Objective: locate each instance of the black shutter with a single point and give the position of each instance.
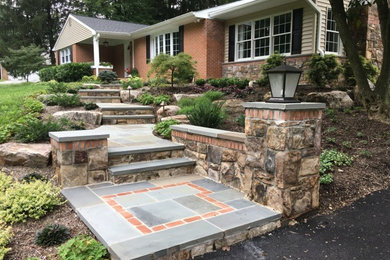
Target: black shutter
(71, 54)
(232, 39)
(147, 49)
(297, 31)
(181, 38)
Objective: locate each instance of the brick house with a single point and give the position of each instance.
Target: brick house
(228, 40)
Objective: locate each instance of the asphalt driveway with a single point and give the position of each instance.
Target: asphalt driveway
(359, 231)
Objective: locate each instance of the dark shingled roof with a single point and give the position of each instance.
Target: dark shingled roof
(105, 25)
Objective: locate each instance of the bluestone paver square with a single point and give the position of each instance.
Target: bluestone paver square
(133, 200)
(196, 204)
(161, 213)
(226, 195)
(240, 203)
(173, 192)
(210, 185)
(123, 188)
(81, 197)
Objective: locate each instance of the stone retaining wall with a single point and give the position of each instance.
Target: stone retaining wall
(79, 161)
(276, 161)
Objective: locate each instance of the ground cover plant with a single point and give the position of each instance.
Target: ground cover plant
(163, 128)
(82, 247)
(134, 83)
(148, 99)
(206, 114)
(5, 237)
(52, 235)
(20, 201)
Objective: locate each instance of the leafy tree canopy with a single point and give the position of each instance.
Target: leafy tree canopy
(24, 61)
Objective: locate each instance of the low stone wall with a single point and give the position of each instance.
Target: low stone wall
(79, 157)
(220, 155)
(276, 161)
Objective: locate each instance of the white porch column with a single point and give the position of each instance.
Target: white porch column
(96, 56)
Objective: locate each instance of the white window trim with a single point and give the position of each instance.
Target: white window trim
(65, 54)
(326, 35)
(154, 43)
(236, 59)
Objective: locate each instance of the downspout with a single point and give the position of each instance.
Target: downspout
(132, 54)
(319, 29)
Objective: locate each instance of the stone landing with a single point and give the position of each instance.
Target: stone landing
(181, 217)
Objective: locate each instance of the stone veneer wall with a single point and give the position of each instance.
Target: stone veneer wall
(374, 45)
(218, 158)
(252, 69)
(80, 162)
(276, 161)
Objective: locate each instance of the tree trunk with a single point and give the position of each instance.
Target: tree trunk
(172, 70)
(50, 32)
(383, 82)
(365, 94)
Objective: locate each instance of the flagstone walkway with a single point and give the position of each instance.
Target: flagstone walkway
(150, 219)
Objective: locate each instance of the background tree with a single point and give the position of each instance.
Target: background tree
(25, 22)
(380, 97)
(24, 61)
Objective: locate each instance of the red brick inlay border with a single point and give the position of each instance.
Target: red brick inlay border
(210, 140)
(283, 115)
(137, 223)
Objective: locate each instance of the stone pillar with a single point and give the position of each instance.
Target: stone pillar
(79, 157)
(283, 148)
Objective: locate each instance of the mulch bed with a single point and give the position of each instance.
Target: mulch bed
(367, 173)
(22, 243)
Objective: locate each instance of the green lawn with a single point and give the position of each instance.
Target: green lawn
(11, 99)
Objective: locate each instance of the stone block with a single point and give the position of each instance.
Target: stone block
(286, 168)
(229, 155)
(97, 176)
(214, 175)
(309, 137)
(98, 159)
(302, 202)
(270, 161)
(276, 138)
(64, 158)
(309, 165)
(256, 127)
(254, 144)
(296, 138)
(214, 154)
(241, 159)
(199, 170)
(73, 175)
(80, 157)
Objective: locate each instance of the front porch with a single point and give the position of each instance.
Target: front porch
(100, 51)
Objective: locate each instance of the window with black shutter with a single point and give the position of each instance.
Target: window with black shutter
(297, 31)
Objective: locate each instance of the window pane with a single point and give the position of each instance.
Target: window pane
(332, 35)
(175, 43)
(282, 33)
(244, 32)
(262, 28)
(244, 50)
(161, 42)
(262, 47)
(168, 43)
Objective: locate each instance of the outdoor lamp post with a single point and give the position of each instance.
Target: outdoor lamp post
(284, 81)
(129, 88)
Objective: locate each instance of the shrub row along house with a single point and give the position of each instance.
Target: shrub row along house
(225, 41)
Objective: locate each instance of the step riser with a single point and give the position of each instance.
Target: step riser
(129, 121)
(139, 157)
(100, 100)
(99, 94)
(128, 112)
(152, 175)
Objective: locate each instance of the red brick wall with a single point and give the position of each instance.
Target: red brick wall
(82, 52)
(195, 44)
(215, 48)
(4, 73)
(140, 57)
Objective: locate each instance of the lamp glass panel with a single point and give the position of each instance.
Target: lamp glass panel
(276, 81)
(291, 84)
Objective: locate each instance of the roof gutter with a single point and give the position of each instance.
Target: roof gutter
(319, 30)
(156, 26)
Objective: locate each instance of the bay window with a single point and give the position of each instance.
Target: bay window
(167, 43)
(260, 38)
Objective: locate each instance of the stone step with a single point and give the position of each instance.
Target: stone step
(100, 99)
(128, 119)
(99, 93)
(124, 109)
(126, 155)
(151, 169)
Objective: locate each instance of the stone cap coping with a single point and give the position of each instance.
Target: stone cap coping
(82, 135)
(285, 106)
(211, 132)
